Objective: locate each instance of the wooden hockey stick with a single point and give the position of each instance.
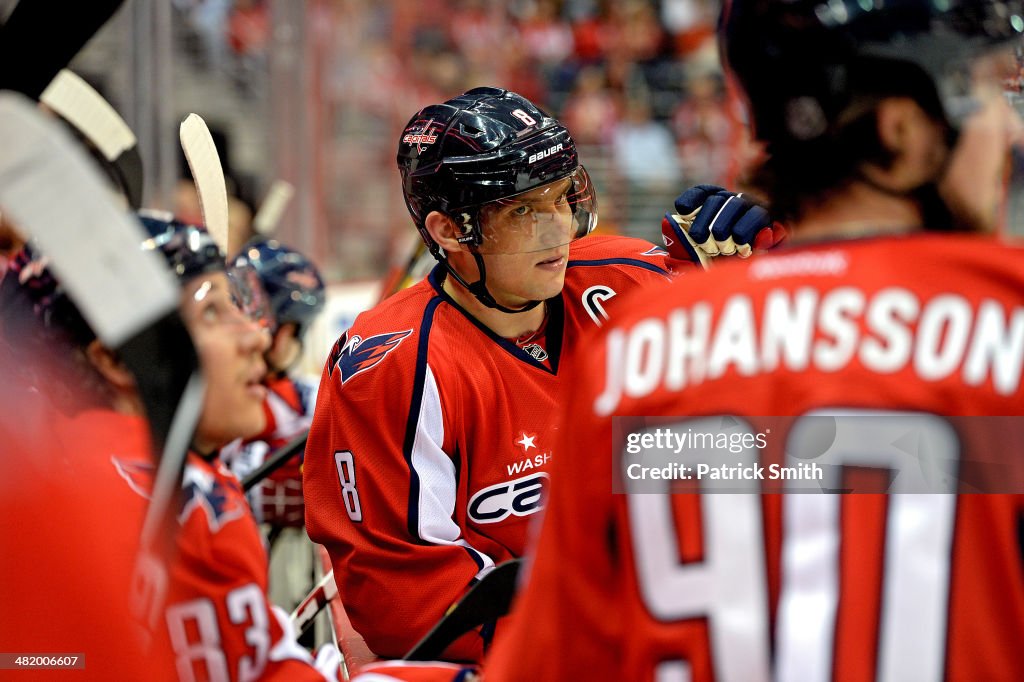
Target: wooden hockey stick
(204, 162)
(273, 207)
(486, 601)
(275, 461)
(80, 105)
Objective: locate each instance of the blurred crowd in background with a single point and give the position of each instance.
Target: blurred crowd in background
(637, 82)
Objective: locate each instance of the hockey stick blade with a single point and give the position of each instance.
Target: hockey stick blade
(273, 207)
(204, 162)
(92, 245)
(275, 461)
(488, 600)
(80, 105)
(314, 603)
(42, 36)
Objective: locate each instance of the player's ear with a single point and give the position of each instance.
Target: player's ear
(442, 229)
(109, 366)
(285, 348)
(914, 141)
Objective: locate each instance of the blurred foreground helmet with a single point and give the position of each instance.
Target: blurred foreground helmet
(189, 250)
(799, 61)
(294, 289)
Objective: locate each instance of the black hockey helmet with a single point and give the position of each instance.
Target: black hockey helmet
(188, 249)
(295, 291)
(794, 57)
(484, 146)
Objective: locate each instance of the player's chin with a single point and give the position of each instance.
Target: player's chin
(250, 421)
(249, 416)
(549, 286)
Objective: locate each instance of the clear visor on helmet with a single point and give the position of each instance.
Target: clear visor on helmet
(248, 294)
(540, 219)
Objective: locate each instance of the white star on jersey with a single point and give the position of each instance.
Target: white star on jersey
(527, 442)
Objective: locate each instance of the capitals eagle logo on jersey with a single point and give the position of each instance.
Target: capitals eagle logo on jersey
(356, 355)
(138, 475)
(201, 489)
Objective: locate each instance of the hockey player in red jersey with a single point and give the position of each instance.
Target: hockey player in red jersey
(295, 296)
(62, 501)
(439, 410)
(216, 618)
(883, 123)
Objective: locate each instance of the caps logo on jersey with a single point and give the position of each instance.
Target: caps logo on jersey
(203, 490)
(519, 497)
(352, 356)
(139, 475)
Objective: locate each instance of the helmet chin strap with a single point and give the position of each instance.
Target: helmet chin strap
(478, 288)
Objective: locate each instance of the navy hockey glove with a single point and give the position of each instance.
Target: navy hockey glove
(710, 221)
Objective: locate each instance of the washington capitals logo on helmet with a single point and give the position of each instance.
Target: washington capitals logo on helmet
(355, 355)
(202, 490)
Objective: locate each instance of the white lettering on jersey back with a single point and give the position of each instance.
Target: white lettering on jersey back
(734, 340)
(888, 331)
(796, 264)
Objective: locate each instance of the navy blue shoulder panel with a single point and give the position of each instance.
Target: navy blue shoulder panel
(617, 261)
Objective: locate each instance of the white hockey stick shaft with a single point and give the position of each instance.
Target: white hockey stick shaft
(273, 207)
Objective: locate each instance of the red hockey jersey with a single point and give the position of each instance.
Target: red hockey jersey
(277, 500)
(800, 586)
(69, 544)
(218, 620)
(432, 441)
